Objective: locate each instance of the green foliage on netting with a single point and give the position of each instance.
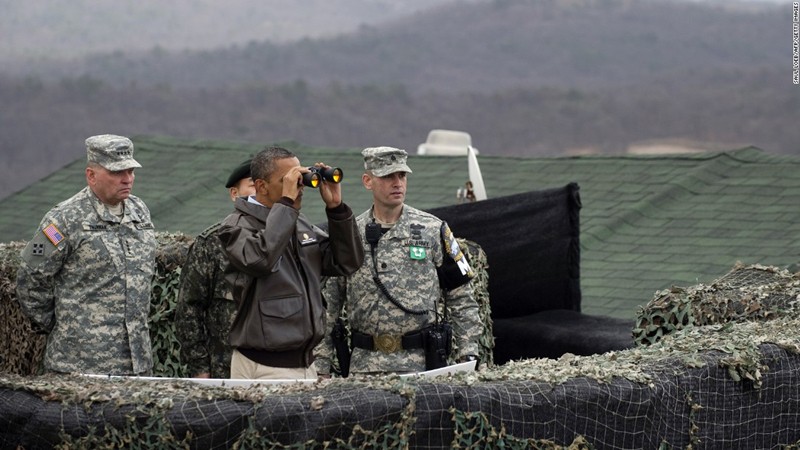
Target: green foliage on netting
(21, 350)
(746, 293)
(144, 429)
(166, 347)
(695, 347)
(391, 435)
(480, 264)
(146, 426)
(171, 254)
(474, 431)
(694, 408)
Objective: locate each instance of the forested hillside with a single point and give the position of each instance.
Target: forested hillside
(523, 77)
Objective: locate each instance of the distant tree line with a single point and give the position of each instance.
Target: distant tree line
(44, 124)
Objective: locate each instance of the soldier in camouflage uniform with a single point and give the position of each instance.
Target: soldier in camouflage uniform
(85, 276)
(206, 308)
(418, 261)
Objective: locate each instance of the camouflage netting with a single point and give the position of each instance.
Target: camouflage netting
(677, 393)
(171, 254)
(21, 350)
(745, 293)
(477, 259)
(724, 385)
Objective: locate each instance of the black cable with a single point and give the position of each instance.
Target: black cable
(373, 235)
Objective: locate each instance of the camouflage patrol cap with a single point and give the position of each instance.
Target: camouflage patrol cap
(111, 151)
(241, 171)
(382, 161)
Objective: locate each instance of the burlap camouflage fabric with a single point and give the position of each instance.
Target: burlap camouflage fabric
(111, 151)
(206, 308)
(382, 161)
(407, 257)
(85, 280)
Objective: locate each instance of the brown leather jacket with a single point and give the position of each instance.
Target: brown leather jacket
(277, 258)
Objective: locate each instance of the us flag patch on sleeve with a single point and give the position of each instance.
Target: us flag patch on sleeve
(53, 234)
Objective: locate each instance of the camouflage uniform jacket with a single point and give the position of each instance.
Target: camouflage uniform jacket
(277, 259)
(407, 258)
(205, 309)
(85, 279)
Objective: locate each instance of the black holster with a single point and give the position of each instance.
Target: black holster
(437, 341)
(342, 346)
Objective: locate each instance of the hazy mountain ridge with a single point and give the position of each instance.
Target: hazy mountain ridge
(480, 47)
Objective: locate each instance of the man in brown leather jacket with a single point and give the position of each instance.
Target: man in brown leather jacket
(277, 258)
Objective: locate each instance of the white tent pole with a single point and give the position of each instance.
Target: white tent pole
(475, 175)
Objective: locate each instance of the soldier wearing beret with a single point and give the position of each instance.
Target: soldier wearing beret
(85, 276)
(412, 260)
(205, 308)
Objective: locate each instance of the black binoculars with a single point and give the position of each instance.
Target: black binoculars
(317, 174)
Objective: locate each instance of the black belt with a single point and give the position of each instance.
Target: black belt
(388, 343)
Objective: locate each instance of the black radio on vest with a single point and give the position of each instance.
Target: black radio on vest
(372, 231)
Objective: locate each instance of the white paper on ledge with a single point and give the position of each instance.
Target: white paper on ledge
(468, 366)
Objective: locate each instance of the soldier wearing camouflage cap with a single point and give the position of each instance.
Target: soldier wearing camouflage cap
(84, 279)
(411, 257)
(205, 309)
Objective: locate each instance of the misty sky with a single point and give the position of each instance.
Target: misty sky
(57, 29)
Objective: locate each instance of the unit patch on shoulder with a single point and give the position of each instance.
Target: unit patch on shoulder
(37, 249)
(53, 234)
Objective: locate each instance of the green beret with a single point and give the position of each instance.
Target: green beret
(241, 171)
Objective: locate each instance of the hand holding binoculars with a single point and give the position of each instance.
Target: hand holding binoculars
(317, 174)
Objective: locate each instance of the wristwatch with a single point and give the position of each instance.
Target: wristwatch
(466, 358)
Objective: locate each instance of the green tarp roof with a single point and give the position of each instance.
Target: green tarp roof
(647, 222)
